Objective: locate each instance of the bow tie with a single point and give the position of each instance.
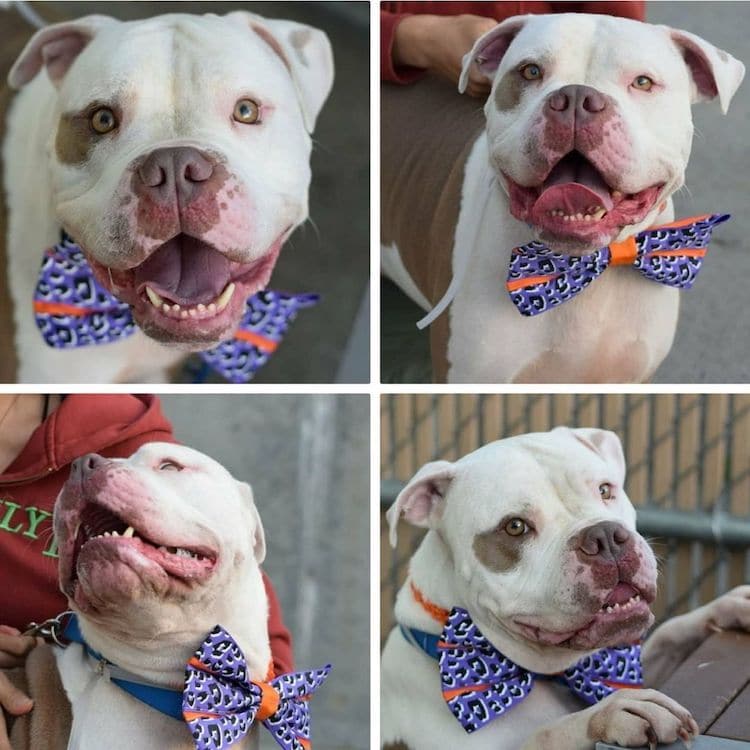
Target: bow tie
(479, 684)
(220, 702)
(539, 279)
(72, 309)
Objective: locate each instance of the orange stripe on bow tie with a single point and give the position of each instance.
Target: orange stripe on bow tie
(306, 744)
(58, 308)
(450, 694)
(685, 251)
(681, 222)
(254, 338)
(522, 283)
(192, 715)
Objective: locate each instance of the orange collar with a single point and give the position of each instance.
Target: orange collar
(433, 610)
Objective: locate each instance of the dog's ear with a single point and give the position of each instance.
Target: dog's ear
(607, 444)
(259, 536)
(55, 47)
(305, 51)
(713, 71)
(489, 49)
(421, 501)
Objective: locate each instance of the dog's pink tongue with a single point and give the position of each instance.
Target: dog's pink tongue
(574, 186)
(186, 271)
(621, 593)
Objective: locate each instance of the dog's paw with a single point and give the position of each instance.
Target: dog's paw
(634, 718)
(729, 611)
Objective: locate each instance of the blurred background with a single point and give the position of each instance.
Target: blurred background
(713, 334)
(308, 461)
(330, 254)
(688, 461)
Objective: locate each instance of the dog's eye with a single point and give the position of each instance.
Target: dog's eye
(247, 112)
(516, 527)
(103, 120)
(170, 465)
(642, 83)
(531, 72)
(605, 491)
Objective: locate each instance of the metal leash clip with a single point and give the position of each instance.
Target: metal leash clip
(51, 630)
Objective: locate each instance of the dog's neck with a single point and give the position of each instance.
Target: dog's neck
(242, 610)
(432, 573)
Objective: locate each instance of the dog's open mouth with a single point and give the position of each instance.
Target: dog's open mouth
(575, 202)
(188, 292)
(624, 616)
(102, 533)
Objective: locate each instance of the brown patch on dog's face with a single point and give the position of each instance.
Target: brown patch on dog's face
(498, 550)
(75, 139)
(508, 91)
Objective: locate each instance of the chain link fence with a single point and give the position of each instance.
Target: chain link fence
(688, 460)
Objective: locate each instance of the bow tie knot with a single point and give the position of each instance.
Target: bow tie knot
(540, 279)
(221, 703)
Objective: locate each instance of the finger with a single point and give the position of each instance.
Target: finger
(4, 741)
(18, 645)
(12, 699)
(8, 630)
(8, 661)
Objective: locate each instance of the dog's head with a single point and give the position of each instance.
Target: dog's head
(179, 156)
(589, 119)
(156, 540)
(543, 542)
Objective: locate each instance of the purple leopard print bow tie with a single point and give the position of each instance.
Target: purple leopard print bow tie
(539, 279)
(220, 702)
(480, 684)
(72, 309)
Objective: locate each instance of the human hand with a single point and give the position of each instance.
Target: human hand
(439, 43)
(13, 650)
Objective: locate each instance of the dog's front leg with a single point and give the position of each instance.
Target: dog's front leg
(671, 643)
(629, 718)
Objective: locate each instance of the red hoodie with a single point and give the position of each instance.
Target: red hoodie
(114, 426)
(391, 14)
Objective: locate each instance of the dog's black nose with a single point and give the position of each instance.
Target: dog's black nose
(87, 464)
(606, 540)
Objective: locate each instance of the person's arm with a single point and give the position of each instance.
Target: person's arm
(278, 634)
(634, 10)
(413, 44)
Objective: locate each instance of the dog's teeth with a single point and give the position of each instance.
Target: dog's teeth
(176, 308)
(162, 548)
(212, 308)
(201, 308)
(587, 217)
(166, 308)
(192, 312)
(114, 533)
(566, 218)
(154, 298)
(616, 195)
(184, 314)
(579, 217)
(129, 532)
(599, 214)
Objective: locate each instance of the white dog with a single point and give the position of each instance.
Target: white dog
(155, 550)
(535, 539)
(585, 137)
(175, 151)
